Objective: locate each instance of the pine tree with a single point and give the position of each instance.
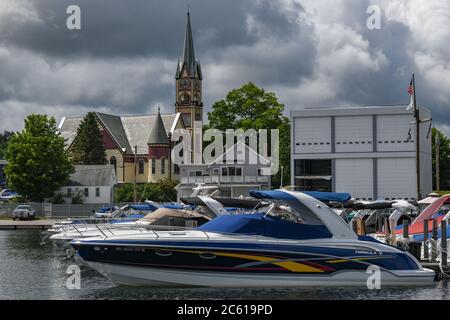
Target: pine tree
(88, 147)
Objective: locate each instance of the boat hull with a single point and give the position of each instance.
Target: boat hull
(266, 263)
(155, 277)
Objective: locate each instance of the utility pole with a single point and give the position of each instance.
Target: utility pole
(437, 146)
(135, 175)
(417, 118)
(170, 156)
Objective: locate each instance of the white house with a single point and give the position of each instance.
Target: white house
(94, 183)
(245, 172)
(369, 152)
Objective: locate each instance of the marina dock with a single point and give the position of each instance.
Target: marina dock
(26, 225)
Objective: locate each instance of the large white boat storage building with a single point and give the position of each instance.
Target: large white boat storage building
(369, 152)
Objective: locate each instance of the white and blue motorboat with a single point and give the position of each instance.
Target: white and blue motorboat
(296, 241)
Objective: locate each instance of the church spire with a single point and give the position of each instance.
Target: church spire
(188, 58)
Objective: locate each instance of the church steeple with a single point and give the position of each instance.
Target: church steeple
(189, 82)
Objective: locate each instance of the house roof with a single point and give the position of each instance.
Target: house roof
(127, 131)
(93, 175)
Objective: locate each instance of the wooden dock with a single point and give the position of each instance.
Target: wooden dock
(26, 225)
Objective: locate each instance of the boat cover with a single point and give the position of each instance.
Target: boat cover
(143, 207)
(267, 226)
(319, 195)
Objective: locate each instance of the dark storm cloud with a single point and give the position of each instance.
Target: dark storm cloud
(311, 53)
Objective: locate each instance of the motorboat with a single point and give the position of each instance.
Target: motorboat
(161, 219)
(438, 209)
(295, 241)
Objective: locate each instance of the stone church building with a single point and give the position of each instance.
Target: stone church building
(139, 146)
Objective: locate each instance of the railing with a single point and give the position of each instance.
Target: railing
(225, 179)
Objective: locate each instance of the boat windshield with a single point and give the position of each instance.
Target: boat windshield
(293, 211)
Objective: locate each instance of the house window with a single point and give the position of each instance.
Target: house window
(113, 161)
(231, 171)
(163, 165)
(224, 171)
(141, 166)
(239, 172)
(86, 192)
(97, 192)
(176, 169)
(69, 192)
(153, 165)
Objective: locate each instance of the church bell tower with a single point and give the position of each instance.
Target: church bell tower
(189, 83)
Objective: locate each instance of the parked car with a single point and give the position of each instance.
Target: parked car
(24, 211)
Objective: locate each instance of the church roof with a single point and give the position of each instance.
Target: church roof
(188, 59)
(158, 134)
(126, 131)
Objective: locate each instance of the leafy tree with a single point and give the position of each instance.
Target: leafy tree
(250, 107)
(4, 139)
(161, 191)
(88, 147)
(444, 159)
(37, 163)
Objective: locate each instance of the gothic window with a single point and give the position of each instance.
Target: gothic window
(141, 166)
(185, 98)
(163, 166)
(113, 161)
(153, 165)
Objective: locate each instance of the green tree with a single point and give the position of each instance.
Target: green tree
(4, 139)
(250, 107)
(37, 163)
(161, 191)
(444, 159)
(88, 147)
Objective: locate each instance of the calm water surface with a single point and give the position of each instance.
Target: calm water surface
(30, 269)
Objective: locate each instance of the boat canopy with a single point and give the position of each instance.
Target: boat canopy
(319, 195)
(267, 226)
(143, 207)
(310, 210)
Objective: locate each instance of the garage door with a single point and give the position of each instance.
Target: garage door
(393, 133)
(312, 135)
(396, 178)
(355, 176)
(354, 134)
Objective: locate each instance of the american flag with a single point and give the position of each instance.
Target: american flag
(411, 88)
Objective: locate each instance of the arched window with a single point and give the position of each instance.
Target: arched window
(113, 161)
(141, 165)
(153, 165)
(185, 98)
(163, 165)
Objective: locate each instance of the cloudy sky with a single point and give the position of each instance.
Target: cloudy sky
(311, 53)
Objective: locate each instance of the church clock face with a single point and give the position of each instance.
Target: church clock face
(185, 84)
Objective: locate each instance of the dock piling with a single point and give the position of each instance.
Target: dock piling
(406, 229)
(434, 236)
(444, 243)
(425, 239)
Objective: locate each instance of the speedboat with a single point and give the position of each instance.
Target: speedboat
(297, 241)
(161, 219)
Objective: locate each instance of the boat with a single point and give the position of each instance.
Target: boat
(297, 241)
(438, 210)
(162, 218)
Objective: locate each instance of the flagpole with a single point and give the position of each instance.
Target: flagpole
(417, 117)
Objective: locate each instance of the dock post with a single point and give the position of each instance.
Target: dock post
(386, 230)
(406, 229)
(425, 239)
(444, 243)
(433, 243)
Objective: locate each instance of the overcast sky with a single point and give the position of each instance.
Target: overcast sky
(311, 53)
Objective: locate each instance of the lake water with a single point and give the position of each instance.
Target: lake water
(32, 270)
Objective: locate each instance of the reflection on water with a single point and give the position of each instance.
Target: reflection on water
(31, 270)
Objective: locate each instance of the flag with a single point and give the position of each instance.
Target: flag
(411, 94)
